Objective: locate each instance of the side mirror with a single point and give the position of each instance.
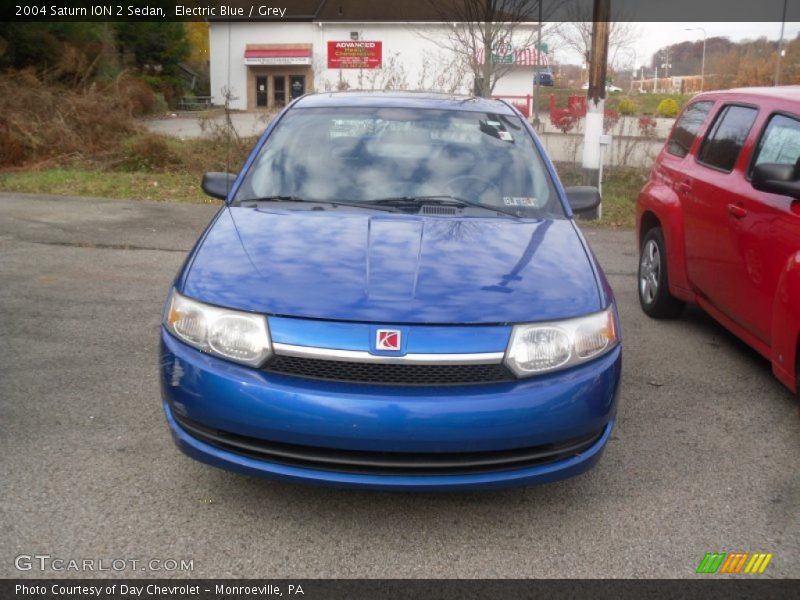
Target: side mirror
(777, 179)
(583, 198)
(217, 185)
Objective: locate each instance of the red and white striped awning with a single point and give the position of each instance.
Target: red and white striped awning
(522, 57)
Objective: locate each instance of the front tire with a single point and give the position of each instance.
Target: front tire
(653, 278)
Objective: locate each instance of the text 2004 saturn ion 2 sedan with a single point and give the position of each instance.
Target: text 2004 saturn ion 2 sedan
(395, 295)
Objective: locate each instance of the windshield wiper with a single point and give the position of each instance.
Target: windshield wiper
(441, 200)
(289, 198)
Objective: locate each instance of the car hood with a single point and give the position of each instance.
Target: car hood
(393, 268)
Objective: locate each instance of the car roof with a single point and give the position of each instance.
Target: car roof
(404, 99)
(782, 93)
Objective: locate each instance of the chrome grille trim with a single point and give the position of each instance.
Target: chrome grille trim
(478, 358)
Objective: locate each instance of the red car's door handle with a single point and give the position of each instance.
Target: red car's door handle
(737, 211)
(684, 187)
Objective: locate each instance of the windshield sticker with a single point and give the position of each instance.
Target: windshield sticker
(497, 130)
(519, 201)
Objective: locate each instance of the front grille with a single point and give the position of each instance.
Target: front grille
(388, 463)
(387, 373)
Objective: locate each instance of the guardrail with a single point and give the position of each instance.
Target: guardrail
(194, 103)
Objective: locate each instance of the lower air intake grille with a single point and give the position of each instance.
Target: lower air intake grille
(388, 463)
(387, 373)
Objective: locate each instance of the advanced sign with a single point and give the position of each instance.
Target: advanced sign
(355, 55)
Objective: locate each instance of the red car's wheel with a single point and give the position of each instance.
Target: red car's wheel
(653, 279)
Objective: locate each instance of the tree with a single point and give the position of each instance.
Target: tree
(686, 57)
(43, 45)
(750, 63)
(197, 35)
(577, 34)
(156, 46)
(481, 28)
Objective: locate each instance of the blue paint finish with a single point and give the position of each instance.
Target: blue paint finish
(422, 339)
(519, 414)
(412, 100)
(548, 473)
(314, 264)
(450, 285)
(391, 276)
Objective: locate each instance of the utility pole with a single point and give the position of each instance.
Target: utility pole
(595, 105)
(666, 66)
(537, 73)
(780, 45)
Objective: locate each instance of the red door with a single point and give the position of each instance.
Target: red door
(763, 232)
(712, 188)
(703, 213)
(676, 164)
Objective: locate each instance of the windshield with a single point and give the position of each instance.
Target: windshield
(370, 154)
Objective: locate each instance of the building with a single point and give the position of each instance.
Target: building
(265, 64)
(681, 84)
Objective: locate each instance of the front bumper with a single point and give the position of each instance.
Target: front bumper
(354, 418)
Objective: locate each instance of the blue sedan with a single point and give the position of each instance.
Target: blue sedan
(394, 295)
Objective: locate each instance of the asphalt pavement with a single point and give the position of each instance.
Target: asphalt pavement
(705, 456)
(187, 125)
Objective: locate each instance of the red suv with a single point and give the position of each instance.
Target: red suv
(718, 223)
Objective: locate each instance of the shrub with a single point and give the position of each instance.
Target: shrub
(610, 119)
(146, 152)
(159, 104)
(140, 96)
(565, 122)
(12, 150)
(668, 107)
(626, 107)
(41, 120)
(169, 87)
(647, 126)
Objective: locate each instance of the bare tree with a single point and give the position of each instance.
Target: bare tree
(577, 34)
(481, 30)
(442, 73)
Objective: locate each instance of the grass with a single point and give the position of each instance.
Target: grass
(646, 104)
(144, 166)
(136, 185)
(620, 188)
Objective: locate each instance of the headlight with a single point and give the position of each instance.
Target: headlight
(540, 347)
(239, 336)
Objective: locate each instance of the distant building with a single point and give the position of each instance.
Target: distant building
(267, 64)
(682, 84)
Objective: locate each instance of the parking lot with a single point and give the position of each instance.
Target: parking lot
(704, 457)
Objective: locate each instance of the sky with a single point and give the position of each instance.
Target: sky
(653, 36)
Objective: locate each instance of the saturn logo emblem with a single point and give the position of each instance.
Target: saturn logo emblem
(387, 339)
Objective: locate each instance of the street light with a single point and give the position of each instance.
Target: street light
(703, 66)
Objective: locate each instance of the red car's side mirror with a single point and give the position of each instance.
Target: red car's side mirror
(777, 179)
